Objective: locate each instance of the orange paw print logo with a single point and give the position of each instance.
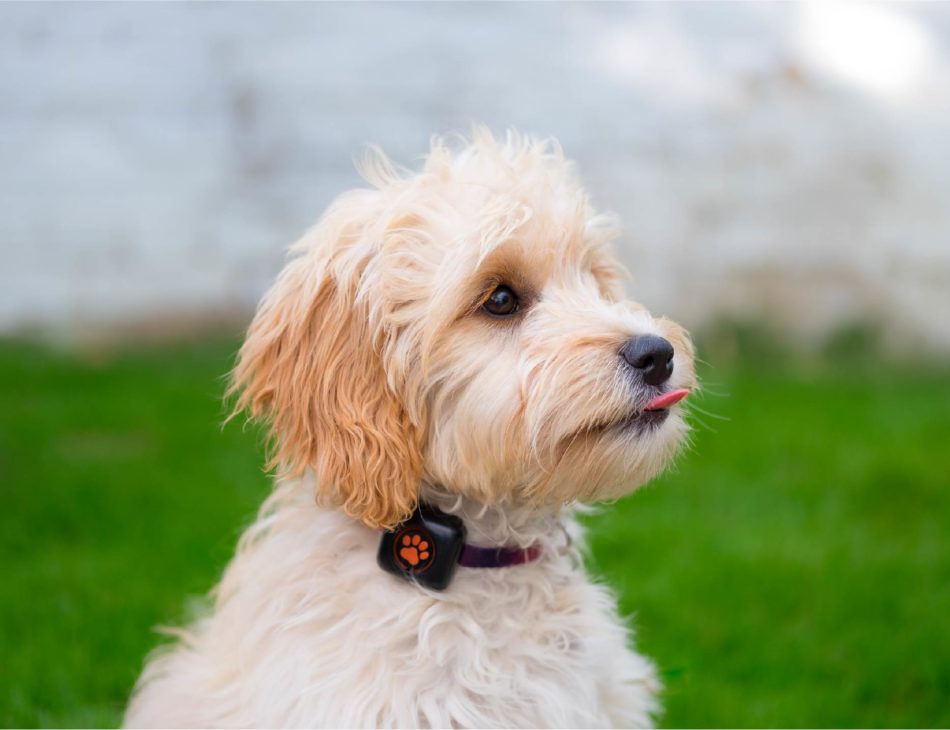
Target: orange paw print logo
(413, 550)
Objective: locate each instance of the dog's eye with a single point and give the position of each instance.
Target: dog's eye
(502, 302)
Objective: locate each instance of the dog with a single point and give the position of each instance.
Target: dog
(448, 371)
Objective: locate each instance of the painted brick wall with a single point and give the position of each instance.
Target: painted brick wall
(156, 159)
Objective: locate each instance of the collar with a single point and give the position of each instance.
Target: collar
(429, 546)
(476, 556)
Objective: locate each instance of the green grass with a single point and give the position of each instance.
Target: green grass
(793, 570)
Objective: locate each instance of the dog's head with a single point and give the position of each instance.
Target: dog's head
(464, 327)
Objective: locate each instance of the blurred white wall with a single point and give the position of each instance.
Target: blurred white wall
(788, 161)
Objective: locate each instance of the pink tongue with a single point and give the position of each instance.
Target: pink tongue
(666, 400)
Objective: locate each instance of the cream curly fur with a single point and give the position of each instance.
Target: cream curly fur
(383, 383)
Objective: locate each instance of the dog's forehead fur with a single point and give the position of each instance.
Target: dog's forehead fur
(494, 212)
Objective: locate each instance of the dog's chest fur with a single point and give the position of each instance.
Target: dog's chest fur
(308, 631)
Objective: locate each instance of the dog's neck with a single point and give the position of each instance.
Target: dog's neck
(499, 525)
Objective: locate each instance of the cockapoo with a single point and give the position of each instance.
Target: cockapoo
(447, 366)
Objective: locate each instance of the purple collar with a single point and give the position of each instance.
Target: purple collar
(474, 556)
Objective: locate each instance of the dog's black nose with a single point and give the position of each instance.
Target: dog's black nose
(651, 357)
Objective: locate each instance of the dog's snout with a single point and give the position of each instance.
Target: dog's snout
(650, 356)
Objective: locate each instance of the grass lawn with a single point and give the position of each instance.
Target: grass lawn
(793, 570)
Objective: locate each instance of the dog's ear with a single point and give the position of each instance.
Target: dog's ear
(311, 368)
